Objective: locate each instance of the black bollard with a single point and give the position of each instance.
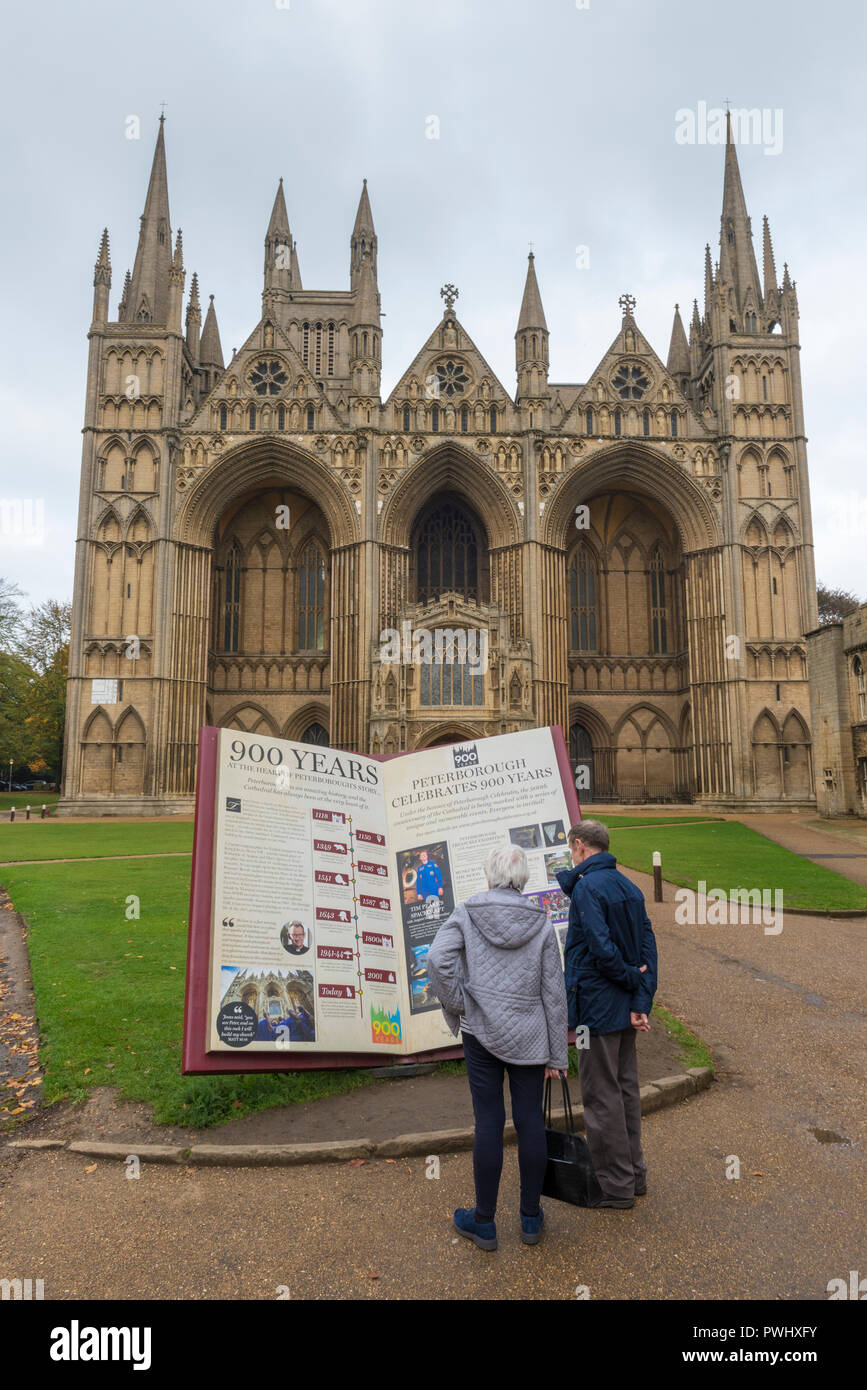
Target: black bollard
(657, 876)
(12, 814)
(44, 811)
(27, 816)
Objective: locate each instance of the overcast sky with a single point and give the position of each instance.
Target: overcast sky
(556, 124)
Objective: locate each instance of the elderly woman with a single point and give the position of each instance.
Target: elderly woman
(495, 968)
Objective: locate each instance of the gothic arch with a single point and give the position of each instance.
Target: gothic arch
(261, 719)
(455, 732)
(255, 466)
(633, 467)
(316, 712)
(657, 715)
(451, 468)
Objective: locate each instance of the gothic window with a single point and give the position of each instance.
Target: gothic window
(281, 417)
(674, 424)
(305, 343)
(331, 349)
(314, 733)
(435, 418)
(447, 549)
(858, 671)
(581, 754)
(493, 419)
(764, 388)
(582, 601)
(658, 607)
(589, 421)
(311, 417)
(224, 417)
(646, 421)
(630, 382)
(318, 357)
(232, 599)
(406, 421)
(618, 421)
(252, 414)
(268, 377)
(311, 599)
(465, 419)
(452, 378)
(451, 681)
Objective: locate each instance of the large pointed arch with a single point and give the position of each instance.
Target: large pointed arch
(629, 465)
(255, 466)
(451, 468)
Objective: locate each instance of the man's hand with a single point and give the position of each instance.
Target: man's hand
(640, 1021)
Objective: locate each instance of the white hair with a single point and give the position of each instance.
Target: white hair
(507, 868)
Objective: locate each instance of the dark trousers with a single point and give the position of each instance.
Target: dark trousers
(485, 1073)
(612, 1111)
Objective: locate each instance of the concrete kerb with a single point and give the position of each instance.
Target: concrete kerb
(668, 1090)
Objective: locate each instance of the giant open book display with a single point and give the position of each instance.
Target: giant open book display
(320, 878)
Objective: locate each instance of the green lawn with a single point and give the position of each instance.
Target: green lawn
(110, 991)
(66, 840)
(726, 854)
(21, 799)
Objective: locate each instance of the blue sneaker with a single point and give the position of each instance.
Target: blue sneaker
(482, 1233)
(531, 1228)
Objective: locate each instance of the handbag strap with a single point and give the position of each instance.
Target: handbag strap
(567, 1106)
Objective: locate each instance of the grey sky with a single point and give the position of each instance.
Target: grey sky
(556, 126)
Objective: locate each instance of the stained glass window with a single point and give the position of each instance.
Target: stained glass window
(447, 554)
(268, 377)
(630, 382)
(582, 601)
(311, 599)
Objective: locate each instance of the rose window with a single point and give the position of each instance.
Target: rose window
(453, 379)
(630, 383)
(268, 377)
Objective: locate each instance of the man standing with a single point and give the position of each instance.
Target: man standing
(611, 979)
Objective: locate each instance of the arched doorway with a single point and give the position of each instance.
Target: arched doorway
(581, 757)
(270, 613)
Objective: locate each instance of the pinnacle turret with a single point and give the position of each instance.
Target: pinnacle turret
(102, 281)
(148, 300)
(281, 261)
(768, 267)
(678, 353)
(532, 314)
(194, 319)
(737, 257)
(210, 348)
(362, 243)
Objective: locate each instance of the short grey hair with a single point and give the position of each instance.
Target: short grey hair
(507, 868)
(590, 832)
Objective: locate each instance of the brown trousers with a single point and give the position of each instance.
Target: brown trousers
(612, 1111)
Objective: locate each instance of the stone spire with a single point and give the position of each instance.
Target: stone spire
(532, 314)
(363, 241)
(102, 281)
(708, 282)
(768, 267)
(281, 261)
(737, 257)
(148, 300)
(194, 319)
(678, 353)
(210, 348)
(124, 298)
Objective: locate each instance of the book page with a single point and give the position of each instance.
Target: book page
(447, 808)
(304, 951)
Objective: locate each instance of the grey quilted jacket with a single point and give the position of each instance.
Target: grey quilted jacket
(495, 966)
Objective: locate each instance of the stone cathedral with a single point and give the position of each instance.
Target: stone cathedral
(637, 547)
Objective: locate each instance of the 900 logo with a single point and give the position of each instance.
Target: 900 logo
(385, 1027)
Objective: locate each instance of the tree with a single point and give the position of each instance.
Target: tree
(835, 604)
(10, 614)
(44, 645)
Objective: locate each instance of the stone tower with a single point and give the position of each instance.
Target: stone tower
(637, 548)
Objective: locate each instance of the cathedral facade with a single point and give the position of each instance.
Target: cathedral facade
(635, 552)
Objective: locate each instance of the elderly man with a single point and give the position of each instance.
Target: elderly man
(610, 958)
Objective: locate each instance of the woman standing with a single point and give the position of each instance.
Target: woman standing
(495, 968)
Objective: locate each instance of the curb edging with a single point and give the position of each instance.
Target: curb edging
(655, 1095)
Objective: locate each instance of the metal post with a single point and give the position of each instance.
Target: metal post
(657, 876)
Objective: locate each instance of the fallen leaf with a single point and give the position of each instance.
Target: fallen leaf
(372, 1274)
(356, 1162)
(86, 1070)
(91, 1169)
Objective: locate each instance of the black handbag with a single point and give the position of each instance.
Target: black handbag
(569, 1175)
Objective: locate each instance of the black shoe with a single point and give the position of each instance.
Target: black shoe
(618, 1203)
(642, 1190)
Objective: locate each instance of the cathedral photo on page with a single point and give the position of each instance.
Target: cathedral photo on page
(636, 547)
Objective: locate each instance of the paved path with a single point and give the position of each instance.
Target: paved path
(98, 858)
(839, 845)
(785, 1016)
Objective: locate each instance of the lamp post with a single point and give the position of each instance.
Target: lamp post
(10, 774)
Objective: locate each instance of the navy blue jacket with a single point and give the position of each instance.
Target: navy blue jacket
(609, 937)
